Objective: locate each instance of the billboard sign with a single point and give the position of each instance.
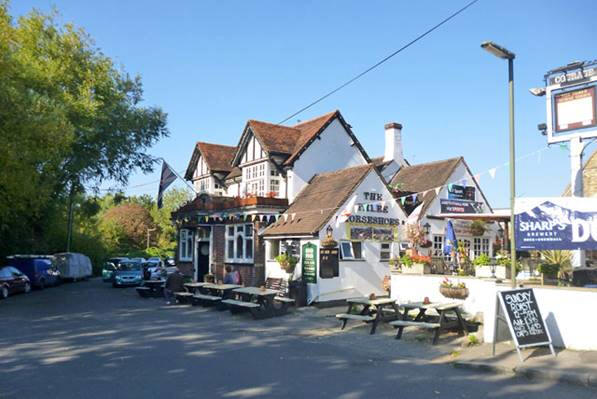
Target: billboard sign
(556, 223)
(460, 206)
(458, 192)
(571, 102)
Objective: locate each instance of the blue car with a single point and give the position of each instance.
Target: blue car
(40, 269)
(129, 273)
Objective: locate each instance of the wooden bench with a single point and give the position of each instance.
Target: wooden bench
(283, 299)
(205, 300)
(401, 324)
(241, 304)
(183, 296)
(349, 316)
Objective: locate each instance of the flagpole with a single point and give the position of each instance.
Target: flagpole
(180, 177)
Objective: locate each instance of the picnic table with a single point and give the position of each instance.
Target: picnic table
(371, 311)
(213, 294)
(437, 324)
(194, 287)
(151, 288)
(260, 302)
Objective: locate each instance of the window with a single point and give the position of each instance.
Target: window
(351, 250)
(185, 245)
(480, 246)
(274, 186)
(274, 249)
(239, 243)
(385, 251)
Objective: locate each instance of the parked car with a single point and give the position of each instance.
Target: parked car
(73, 266)
(128, 273)
(12, 281)
(110, 268)
(40, 269)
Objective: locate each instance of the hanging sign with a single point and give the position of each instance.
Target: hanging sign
(556, 223)
(309, 263)
(524, 319)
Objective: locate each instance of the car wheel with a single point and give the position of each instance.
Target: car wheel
(114, 285)
(4, 292)
(27, 288)
(42, 284)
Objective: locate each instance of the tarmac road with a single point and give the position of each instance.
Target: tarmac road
(89, 340)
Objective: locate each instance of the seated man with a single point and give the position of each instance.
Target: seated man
(174, 283)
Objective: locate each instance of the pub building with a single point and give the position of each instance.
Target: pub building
(433, 193)
(294, 185)
(342, 228)
(243, 188)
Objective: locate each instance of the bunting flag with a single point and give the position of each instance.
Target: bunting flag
(293, 215)
(437, 190)
(285, 217)
(492, 172)
(402, 200)
(414, 198)
(564, 146)
(206, 218)
(168, 176)
(262, 218)
(450, 187)
(252, 218)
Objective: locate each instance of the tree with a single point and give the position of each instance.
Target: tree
(124, 227)
(69, 119)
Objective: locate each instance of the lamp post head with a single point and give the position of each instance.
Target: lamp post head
(498, 50)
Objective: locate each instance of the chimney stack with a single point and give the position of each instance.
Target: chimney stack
(393, 150)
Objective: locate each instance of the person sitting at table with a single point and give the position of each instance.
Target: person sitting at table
(230, 277)
(174, 283)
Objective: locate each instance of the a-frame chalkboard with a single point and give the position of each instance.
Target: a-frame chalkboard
(521, 313)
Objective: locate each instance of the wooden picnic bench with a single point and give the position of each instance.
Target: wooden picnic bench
(423, 320)
(373, 311)
(205, 299)
(183, 296)
(260, 302)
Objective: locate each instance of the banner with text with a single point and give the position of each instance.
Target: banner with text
(556, 223)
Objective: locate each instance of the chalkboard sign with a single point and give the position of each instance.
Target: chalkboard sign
(309, 262)
(523, 318)
(329, 262)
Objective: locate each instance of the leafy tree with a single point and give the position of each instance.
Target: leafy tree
(69, 119)
(125, 227)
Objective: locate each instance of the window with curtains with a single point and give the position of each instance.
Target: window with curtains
(239, 243)
(185, 245)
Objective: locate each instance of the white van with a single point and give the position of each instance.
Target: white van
(73, 266)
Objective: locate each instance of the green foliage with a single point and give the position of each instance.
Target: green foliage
(549, 268)
(406, 260)
(482, 260)
(287, 262)
(562, 258)
(69, 119)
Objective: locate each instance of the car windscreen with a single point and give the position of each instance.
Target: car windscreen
(129, 266)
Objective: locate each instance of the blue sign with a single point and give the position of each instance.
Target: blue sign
(556, 223)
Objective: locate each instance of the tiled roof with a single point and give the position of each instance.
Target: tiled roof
(275, 138)
(318, 201)
(216, 156)
(589, 176)
(235, 172)
(425, 176)
(309, 130)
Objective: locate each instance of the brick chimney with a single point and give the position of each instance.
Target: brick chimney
(393, 150)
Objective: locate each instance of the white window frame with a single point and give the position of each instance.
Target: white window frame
(480, 246)
(382, 250)
(350, 256)
(185, 245)
(240, 233)
(270, 248)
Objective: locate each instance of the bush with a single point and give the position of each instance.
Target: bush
(405, 260)
(482, 260)
(549, 268)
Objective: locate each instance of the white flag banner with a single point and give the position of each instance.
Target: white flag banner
(492, 172)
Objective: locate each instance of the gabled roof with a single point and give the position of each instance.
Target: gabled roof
(217, 157)
(319, 201)
(291, 141)
(589, 176)
(423, 177)
(428, 176)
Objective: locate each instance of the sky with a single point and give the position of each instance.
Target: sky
(212, 65)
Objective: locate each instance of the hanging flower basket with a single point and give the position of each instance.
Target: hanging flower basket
(454, 292)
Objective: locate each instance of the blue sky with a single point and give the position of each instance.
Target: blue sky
(211, 65)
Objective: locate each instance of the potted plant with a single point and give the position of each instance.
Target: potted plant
(485, 267)
(394, 264)
(453, 290)
(416, 264)
(415, 235)
(286, 262)
(478, 228)
(549, 273)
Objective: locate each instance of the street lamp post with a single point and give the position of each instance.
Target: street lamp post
(503, 53)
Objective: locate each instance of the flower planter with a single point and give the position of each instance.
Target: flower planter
(416, 268)
(454, 292)
(502, 272)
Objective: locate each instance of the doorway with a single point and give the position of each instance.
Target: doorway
(202, 259)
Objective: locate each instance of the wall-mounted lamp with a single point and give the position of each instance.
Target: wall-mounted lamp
(427, 228)
(329, 230)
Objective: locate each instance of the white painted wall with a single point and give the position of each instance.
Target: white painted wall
(438, 226)
(358, 277)
(568, 312)
(333, 152)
